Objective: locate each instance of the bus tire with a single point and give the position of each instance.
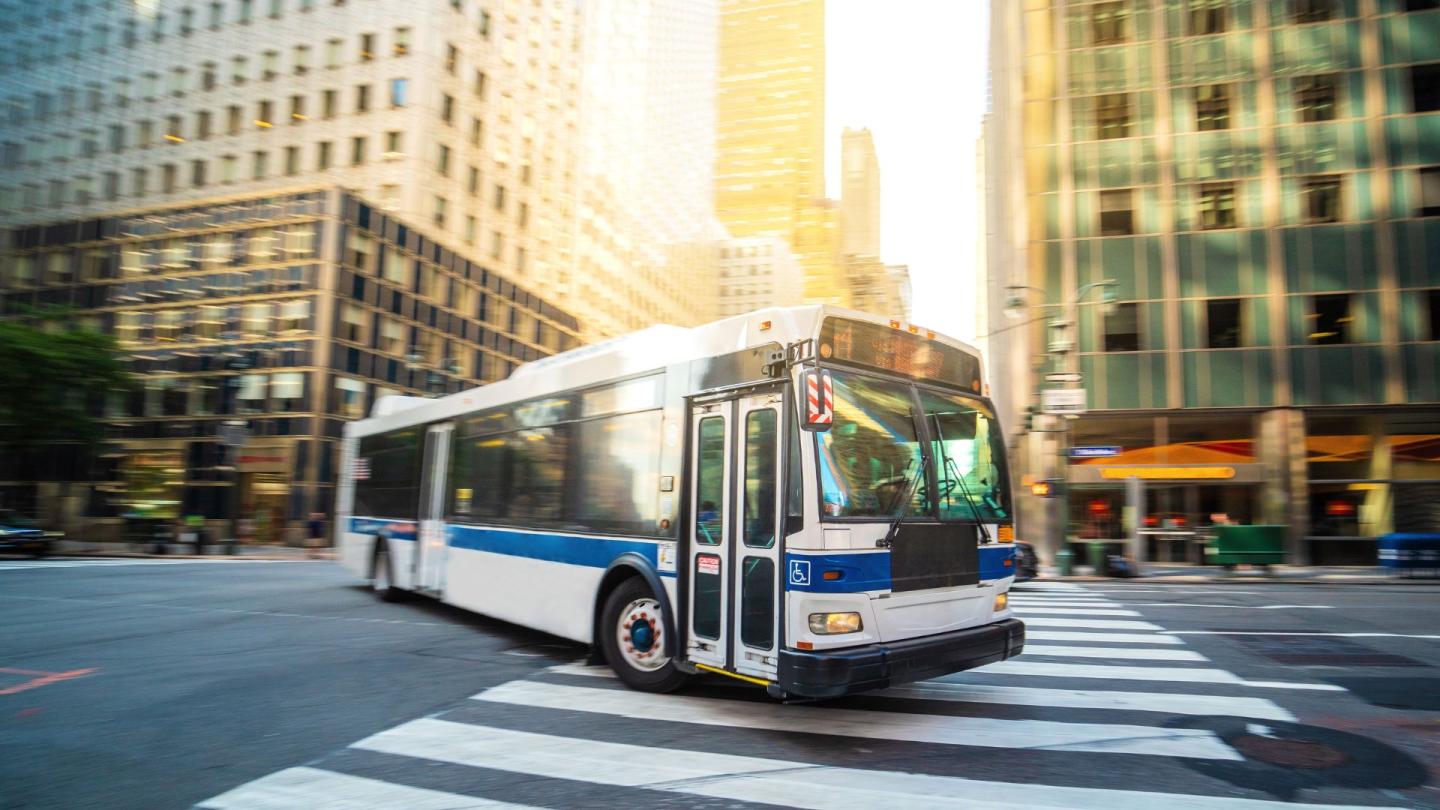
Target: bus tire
(630, 627)
(382, 579)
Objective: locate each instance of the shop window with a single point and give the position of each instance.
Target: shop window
(1112, 115)
(1330, 319)
(1430, 191)
(1320, 199)
(1316, 96)
(1212, 107)
(1217, 206)
(1223, 327)
(1110, 23)
(1208, 17)
(1122, 329)
(1425, 87)
(1117, 215)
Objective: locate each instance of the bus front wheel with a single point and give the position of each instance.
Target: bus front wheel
(630, 630)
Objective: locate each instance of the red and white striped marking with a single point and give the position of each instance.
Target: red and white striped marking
(820, 398)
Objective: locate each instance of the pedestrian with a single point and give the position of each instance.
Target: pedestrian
(315, 531)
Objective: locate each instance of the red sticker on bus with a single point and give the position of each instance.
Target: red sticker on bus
(707, 564)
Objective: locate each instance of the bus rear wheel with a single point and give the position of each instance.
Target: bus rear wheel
(630, 635)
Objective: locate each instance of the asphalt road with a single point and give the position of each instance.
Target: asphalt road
(248, 684)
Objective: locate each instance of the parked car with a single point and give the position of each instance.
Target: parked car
(1027, 563)
(21, 534)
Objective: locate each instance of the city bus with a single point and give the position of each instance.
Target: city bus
(808, 499)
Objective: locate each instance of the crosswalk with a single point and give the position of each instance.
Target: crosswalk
(1091, 716)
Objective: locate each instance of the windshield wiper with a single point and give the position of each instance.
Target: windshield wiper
(951, 466)
(902, 500)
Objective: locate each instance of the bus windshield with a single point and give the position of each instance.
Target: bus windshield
(870, 459)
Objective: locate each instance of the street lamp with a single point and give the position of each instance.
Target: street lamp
(1060, 344)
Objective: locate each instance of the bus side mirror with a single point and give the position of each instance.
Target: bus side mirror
(819, 392)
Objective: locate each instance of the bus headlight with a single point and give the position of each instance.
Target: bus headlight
(1002, 601)
(830, 624)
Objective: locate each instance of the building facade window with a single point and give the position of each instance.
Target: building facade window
(1312, 11)
(357, 150)
(1117, 215)
(362, 98)
(329, 104)
(1316, 97)
(1112, 116)
(1425, 87)
(399, 92)
(1212, 107)
(1223, 326)
(1217, 206)
(1208, 16)
(402, 41)
(1122, 328)
(1430, 191)
(1110, 23)
(1330, 319)
(367, 47)
(1320, 199)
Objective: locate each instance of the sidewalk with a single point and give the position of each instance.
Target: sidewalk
(186, 551)
(1185, 573)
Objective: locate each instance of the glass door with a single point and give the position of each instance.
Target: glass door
(709, 533)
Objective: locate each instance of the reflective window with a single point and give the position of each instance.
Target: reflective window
(536, 483)
(617, 485)
(1223, 324)
(1122, 329)
(757, 602)
(1330, 319)
(870, 460)
(710, 482)
(761, 478)
(969, 451)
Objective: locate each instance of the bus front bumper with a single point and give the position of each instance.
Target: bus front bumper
(875, 666)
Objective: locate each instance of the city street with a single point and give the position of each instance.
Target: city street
(259, 684)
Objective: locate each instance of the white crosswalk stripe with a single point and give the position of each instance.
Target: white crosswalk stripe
(981, 731)
(705, 740)
(1029, 610)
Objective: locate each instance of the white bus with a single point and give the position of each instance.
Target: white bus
(809, 499)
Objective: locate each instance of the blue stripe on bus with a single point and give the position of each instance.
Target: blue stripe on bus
(591, 552)
(870, 570)
(394, 529)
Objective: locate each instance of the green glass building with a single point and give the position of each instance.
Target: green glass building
(1260, 180)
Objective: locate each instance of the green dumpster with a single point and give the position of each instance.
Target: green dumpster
(1242, 545)
(1096, 553)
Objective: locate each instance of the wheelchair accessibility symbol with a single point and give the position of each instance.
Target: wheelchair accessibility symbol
(799, 572)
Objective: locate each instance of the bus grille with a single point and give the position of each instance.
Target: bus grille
(934, 555)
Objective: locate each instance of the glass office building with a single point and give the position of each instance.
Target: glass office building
(289, 313)
(1260, 179)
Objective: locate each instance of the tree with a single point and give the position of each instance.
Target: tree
(55, 377)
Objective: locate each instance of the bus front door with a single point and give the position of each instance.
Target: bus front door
(734, 535)
(431, 544)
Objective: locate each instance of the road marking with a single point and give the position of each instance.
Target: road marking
(1113, 652)
(1090, 624)
(974, 731)
(753, 779)
(1123, 673)
(582, 668)
(1232, 607)
(326, 790)
(41, 678)
(1287, 633)
(1112, 638)
(1092, 699)
(1030, 600)
(1065, 611)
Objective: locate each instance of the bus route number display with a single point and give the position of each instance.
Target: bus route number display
(878, 347)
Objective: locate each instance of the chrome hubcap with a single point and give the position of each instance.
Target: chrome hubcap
(638, 631)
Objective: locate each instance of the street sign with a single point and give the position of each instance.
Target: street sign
(1103, 451)
(1065, 377)
(1061, 401)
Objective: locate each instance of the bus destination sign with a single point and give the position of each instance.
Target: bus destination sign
(896, 351)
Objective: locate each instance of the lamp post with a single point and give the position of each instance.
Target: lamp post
(1060, 343)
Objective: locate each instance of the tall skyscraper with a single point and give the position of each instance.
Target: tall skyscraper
(770, 161)
(1257, 183)
(859, 194)
(646, 231)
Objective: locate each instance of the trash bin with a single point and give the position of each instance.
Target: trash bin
(1065, 562)
(1095, 554)
(1246, 545)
